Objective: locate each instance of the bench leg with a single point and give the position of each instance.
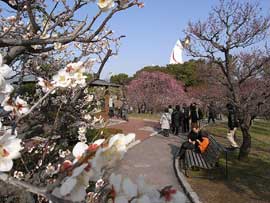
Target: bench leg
(185, 168)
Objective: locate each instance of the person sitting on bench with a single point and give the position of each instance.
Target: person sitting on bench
(197, 141)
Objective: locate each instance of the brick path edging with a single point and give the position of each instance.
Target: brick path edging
(193, 197)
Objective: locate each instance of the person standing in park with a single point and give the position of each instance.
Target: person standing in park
(185, 127)
(124, 110)
(211, 112)
(165, 121)
(232, 124)
(117, 106)
(170, 109)
(195, 114)
(111, 107)
(176, 120)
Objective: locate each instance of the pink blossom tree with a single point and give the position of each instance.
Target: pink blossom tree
(156, 90)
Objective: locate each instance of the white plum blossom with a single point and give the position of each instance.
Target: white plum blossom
(79, 78)
(105, 5)
(124, 190)
(87, 117)
(19, 107)
(79, 149)
(71, 76)
(108, 155)
(12, 2)
(45, 84)
(82, 130)
(5, 88)
(18, 174)
(175, 198)
(2, 83)
(74, 67)
(51, 170)
(62, 79)
(57, 46)
(82, 138)
(89, 98)
(143, 199)
(9, 150)
(74, 187)
(97, 120)
(64, 153)
(145, 189)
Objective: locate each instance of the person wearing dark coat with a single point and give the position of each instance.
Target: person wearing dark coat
(194, 137)
(232, 124)
(185, 127)
(195, 114)
(176, 120)
(211, 112)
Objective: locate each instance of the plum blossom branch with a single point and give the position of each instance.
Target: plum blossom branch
(36, 104)
(28, 187)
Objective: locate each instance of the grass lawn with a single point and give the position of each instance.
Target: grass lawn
(249, 181)
(145, 116)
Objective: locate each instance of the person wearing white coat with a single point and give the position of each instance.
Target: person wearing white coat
(165, 121)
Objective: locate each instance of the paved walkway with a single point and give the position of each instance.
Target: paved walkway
(152, 157)
(142, 128)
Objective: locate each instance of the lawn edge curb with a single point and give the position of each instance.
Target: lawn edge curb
(192, 196)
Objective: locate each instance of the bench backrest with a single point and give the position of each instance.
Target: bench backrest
(213, 151)
(208, 159)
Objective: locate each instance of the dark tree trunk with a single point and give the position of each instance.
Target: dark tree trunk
(246, 145)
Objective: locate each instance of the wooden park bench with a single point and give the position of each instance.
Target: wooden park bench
(207, 160)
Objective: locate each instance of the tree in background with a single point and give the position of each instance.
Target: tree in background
(155, 90)
(187, 72)
(233, 39)
(121, 79)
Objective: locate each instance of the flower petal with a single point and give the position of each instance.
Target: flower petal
(121, 199)
(5, 164)
(99, 141)
(1, 59)
(67, 186)
(130, 138)
(116, 180)
(78, 194)
(178, 196)
(5, 70)
(129, 188)
(79, 149)
(13, 146)
(77, 171)
(143, 199)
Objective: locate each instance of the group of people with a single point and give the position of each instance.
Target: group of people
(118, 107)
(197, 139)
(172, 120)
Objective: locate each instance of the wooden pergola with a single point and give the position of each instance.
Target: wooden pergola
(104, 83)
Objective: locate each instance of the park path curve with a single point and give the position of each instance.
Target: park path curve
(152, 157)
